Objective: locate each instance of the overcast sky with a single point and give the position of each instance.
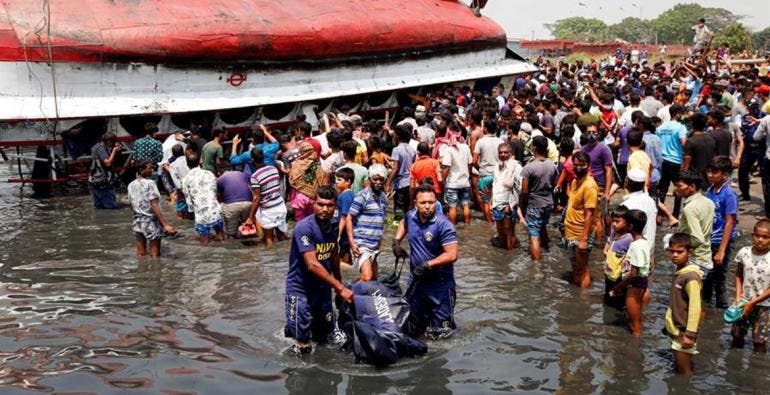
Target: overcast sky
(521, 18)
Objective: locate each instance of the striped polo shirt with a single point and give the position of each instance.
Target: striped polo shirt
(267, 180)
(368, 214)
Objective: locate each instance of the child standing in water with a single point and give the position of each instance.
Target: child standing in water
(635, 270)
(684, 306)
(752, 286)
(615, 253)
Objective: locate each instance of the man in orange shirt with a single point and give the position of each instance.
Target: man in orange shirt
(426, 167)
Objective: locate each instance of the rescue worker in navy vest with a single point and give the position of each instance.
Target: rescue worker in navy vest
(433, 252)
(314, 270)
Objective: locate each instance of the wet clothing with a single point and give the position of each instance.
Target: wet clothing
(308, 299)
(141, 192)
(433, 297)
(684, 306)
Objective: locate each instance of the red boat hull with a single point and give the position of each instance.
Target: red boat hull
(185, 31)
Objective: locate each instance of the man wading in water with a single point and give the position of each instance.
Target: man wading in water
(433, 252)
(314, 270)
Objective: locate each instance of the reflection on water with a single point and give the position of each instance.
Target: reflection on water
(78, 312)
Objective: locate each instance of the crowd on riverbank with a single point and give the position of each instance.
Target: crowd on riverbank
(553, 148)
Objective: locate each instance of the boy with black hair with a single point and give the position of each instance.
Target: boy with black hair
(752, 287)
(615, 254)
(697, 219)
(725, 228)
(349, 149)
(683, 315)
(149, 224)
(635, 270)
(343, 179)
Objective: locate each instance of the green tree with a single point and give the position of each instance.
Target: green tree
(761, 39)
(673, 26)
(737, 36)
(579, 29)
(633, 30)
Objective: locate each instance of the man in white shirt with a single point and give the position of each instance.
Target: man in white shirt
(485, 158)
(456, 163)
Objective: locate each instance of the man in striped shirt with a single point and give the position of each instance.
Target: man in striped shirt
(366, 223)
(268, 210)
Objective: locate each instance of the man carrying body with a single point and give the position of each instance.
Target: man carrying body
(314, 270)
(433, 251)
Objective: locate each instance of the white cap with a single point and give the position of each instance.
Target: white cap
(526, 127)
(637, 175)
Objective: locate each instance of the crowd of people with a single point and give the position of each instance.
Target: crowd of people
(553, 149)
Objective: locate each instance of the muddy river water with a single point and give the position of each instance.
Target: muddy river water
(80, 313)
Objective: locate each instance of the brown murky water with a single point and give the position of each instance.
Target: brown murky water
(80, 313)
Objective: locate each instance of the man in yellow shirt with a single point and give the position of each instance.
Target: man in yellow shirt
(583, 201)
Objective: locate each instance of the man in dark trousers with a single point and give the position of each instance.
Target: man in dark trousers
(433, 252)
(314, 270)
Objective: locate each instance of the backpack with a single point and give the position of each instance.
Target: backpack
(99, 177)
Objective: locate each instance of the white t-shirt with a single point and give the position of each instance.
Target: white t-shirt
(642, 201)
(756, 274)
(486, 147)
(457, 159)
(663, 113)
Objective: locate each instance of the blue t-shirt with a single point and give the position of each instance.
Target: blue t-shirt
(670, 134)
(368, 212)
(270, 149)
(234, 187)
(427, 241)
(308, 236)
(405, 155)
(725, 203)
(624, 152)
(344, 199)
